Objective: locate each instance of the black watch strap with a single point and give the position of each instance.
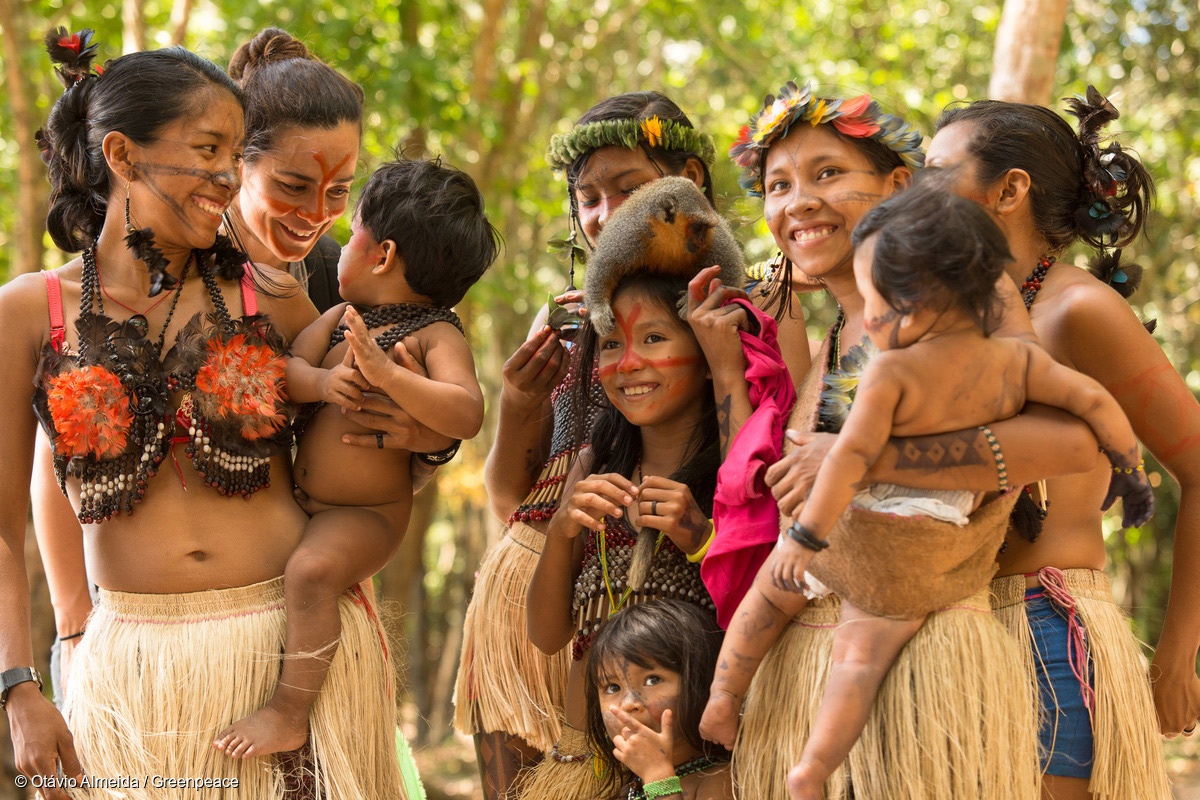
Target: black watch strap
(15, 677)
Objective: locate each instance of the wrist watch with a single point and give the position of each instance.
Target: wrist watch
(14, 677)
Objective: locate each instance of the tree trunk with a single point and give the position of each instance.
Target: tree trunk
(133, 22)
(181, 13)
(32, 188)
(1027, 45)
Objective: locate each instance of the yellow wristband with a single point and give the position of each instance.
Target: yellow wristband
(698, 556)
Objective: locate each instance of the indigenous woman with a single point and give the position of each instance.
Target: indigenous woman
(509, 694)
(1048, 188)
(157, 346)
(301, 114)
(820, 163)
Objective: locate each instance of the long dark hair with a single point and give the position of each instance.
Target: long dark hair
(616, 443)
(138, 95)
(1069, 203)
(671, 634)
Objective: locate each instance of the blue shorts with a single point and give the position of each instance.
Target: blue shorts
(1066, 730)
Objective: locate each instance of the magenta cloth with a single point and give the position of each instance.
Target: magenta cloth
(745, 516)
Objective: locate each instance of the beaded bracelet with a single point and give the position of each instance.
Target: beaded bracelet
(699, 555)
(1141, 467)
(1001, 467)
(806, 538)
(440, 457)
(664, 788)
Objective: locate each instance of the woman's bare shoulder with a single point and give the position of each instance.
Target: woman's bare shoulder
(715, 783)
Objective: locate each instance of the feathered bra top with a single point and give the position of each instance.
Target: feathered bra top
(108, 412)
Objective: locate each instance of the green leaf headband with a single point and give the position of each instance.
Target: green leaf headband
(859, 117)
(629, 133)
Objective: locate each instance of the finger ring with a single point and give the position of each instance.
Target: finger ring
(379, 440)
(654, 508)
(1189, 730)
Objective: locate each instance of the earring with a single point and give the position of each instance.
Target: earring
(128, 221)
(141, 242)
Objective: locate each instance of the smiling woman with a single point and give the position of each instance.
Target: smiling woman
(303, 126)
(143, 160)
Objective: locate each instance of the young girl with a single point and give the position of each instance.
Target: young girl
(926, 264)
(640, 494)
(647, 682)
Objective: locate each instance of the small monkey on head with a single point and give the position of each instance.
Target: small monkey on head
(926, 262)
(667, 226)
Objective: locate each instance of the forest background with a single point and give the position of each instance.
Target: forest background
(485, 83)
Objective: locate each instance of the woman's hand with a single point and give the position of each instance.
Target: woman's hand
(590, 500)
(41, 742)
(715, 324)
(531, 373)
(397, 427)
(647, 754)
(668, 506)
(1176, 690)
(791, 478)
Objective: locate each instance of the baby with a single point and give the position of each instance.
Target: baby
(419, 241)
(926, 264)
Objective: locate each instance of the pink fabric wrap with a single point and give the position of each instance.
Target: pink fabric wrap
(745, 516)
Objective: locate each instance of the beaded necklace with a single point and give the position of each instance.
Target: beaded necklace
(404, 318)
(1032, 284)
(690, 767)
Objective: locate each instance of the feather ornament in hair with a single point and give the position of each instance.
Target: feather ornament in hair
(1125, 278)
(74, 51)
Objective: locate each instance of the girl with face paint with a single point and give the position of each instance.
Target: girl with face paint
(510, 695)
(634, 520)
(647, 680)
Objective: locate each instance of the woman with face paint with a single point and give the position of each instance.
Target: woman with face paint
(647, 681)
(156, 345)
(1048, 187)
(820, 163)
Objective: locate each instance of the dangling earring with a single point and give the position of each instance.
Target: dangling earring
(141, 242)
(568, 323)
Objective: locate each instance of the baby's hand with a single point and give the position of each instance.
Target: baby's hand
(788, 562)
(647, 754)
(1137, 498)
(372, 362)
(343, 385)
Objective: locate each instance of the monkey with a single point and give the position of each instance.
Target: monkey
(666, 226)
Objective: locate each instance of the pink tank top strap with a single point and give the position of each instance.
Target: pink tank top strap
(249, 297)
(58, 327)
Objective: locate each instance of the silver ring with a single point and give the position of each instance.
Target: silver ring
(654, 508)
(379, 440)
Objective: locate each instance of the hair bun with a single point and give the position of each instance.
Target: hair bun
(268, 46)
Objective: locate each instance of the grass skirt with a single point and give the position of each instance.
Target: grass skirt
(159, 675)
(950, 722)
(552, 779)
(1127, 759)
(504, 682)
